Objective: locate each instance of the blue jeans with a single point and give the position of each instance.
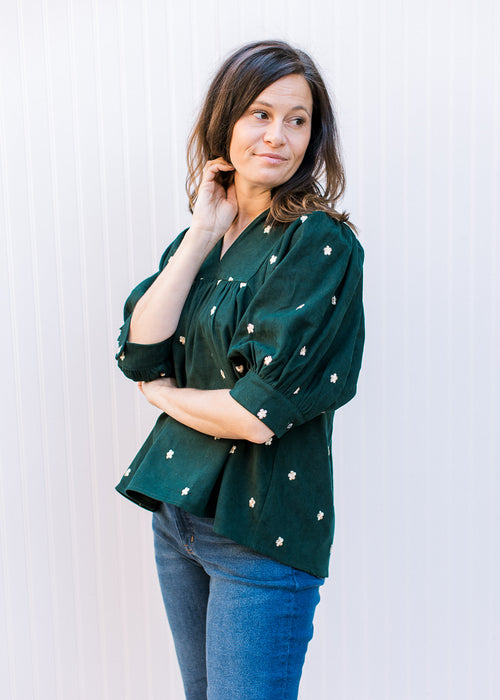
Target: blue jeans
(241, 622)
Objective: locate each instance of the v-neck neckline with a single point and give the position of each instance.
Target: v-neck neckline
(241, 235)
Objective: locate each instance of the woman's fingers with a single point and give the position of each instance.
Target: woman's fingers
(213, 167)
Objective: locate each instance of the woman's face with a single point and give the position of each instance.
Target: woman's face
(270, 139)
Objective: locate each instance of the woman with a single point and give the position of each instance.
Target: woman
(248, 339)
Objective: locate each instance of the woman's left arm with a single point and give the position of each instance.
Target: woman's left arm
(213, 411)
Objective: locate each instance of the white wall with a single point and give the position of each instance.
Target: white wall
(96, 98)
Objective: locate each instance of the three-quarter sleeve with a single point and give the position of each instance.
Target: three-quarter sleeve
(145, 362)
(301, 338)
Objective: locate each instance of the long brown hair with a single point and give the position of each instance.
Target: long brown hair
(319, 181)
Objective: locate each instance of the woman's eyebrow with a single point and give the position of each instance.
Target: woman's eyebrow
(293, 109)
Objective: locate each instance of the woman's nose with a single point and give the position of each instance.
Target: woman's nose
(274, 133)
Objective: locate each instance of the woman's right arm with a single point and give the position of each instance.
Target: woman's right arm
(156, 314)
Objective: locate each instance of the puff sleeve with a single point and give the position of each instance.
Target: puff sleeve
(301, 337)
(145, 362)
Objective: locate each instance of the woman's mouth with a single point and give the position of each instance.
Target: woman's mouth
(273, 158)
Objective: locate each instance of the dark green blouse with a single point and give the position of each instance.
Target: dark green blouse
(278, 321)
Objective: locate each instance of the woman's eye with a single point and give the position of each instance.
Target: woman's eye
(298, 121)
(260, 115)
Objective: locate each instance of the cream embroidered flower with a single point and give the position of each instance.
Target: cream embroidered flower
(300, 307)
(303, 351)
(267, 229)
(333, 378)
(292, 475)
(268, 442)
(327, 250)
(122, 356)
(251, 503)
(290, 425)
(250, 328)
(268, 359)
(218, 282)
(182, 340)
(262, 413)
(334, 300)
(169, 454)
(273, 259)
(239, 368)
(127, 472)
(232, 450)
(303, 218)
(320, 515)
(279, 542)
(185, 491)
(212, 310)
(243, 284)
(230, 279)
(222, 374)
(163, 374)
(297, 390)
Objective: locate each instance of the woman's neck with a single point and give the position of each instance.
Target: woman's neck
(252, 201)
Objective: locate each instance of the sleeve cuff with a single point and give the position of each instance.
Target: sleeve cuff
(143, 363)
(275, 410)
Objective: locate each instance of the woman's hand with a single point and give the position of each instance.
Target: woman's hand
(152, 390)
(216, 206)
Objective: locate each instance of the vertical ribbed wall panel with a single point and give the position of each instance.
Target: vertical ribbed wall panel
(96, 101)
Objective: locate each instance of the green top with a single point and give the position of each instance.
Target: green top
(278, 321)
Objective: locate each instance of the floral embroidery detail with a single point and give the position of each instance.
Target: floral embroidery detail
(216, 438)
(333, 378)
(230, 279)
(303, 351)
(169, 454)
(303, 218)
(320, 515)
(163, 374)
(185, 491)
(273, 259)
(290, 425)
(327, 250)
(334, 300)
(122, 356)
(212, 310)
(300, 307)
(297, 390)
(250, 328)
(218, 282)
(243, 284)
(222, 374)
(268, 359)
(292, 475)
(251, 503)
(182, 340)
(329, 451)
(127, 472)
(279, 542)
(267, 229)
(268, 442)
(239, 368)
(232, 450)
(262, 413)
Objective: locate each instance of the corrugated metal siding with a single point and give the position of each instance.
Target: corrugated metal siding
(96, 100)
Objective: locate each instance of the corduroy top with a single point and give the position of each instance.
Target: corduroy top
(278, 321)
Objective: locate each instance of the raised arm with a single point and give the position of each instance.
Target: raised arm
(157, 313)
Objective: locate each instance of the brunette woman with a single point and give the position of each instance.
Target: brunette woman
(248, 339)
